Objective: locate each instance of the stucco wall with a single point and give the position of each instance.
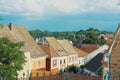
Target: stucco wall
(63, 65)
(74, 59)
(27, 67)
(57, 66)
(80, 61)
(36, 61)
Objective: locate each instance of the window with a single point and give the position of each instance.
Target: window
(64, 60)
(38, 63)
(60, 61)
(54, 62)
(73, 58)
(79, 61)
(70, 59)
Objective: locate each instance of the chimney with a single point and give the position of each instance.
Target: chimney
(42, 41)
(10, 26)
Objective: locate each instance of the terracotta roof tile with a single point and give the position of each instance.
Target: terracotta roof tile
(81, 52)
(84, 51)
(49, 50)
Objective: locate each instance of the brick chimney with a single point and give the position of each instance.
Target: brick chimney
(10, 26)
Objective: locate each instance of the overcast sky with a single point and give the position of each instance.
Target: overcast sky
(61, 15)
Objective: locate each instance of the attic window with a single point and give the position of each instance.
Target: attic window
(58, 50)
(60, 61)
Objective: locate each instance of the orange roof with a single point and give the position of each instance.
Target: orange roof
(84, 51)
(49, 50)
(95, 46)
(88, 50)
(81, 52)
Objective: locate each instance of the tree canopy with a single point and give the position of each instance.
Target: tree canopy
(11, 57)
(89, 36)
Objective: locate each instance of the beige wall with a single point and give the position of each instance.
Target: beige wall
(57, 66)
(80, 61)
(27, 66)
(63, 65)
(72, 59)
(39, 63)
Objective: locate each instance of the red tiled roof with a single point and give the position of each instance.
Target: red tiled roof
(86, 49)
(81, 52)
(49, 50)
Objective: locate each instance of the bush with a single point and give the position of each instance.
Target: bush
(61, 71)
(82, 66)
(72, 69)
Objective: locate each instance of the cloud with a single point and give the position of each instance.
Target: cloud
(85, 6)
(43, 7)
(22, 7)
(66, 6)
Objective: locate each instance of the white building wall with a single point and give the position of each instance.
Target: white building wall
(27, 67)
(80, 61)
(63, 65)
(72, 61)
(54, 67)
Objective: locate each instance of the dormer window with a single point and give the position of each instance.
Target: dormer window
(58, 50)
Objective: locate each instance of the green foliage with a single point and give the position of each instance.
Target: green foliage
(82, 66)
(36, 33)
(102, 40)
(61, 71)
(72, 69)
(12, 58)
(89, 36)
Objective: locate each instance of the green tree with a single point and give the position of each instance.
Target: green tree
(102, 40)
(91, 37)
(72, 69)
(36, 34)
(12, 58)
(47, 33)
